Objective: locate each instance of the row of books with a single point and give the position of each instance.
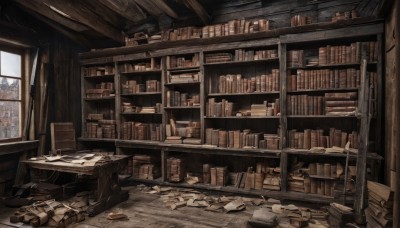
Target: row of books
(176, 99)
(340, 16)
(101, 129)
(145, 167)
(240, 139)
(232, 27)
(184, 78)
(324, 170)
(184, 33)
(232, 83)
(299, 183)
(224, 108)
(324, 79)
(305, 105)
(348, 54)
(265, 109)
(98, 70)
(308, 138)
(95, 116)
(154, 64)
(249, 55)
(183, 61)
(141, 131)
(182, 129)
(176, 169)
(132, 87)
(218, 57)
(128, 107)
(104, 89)
(299, 20)
(331, 104)
(241, 55)
(343, 54)
(220, 109)
(341, 103)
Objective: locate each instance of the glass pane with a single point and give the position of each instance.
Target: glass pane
(10, 64)
(10, 119)
(9, 88)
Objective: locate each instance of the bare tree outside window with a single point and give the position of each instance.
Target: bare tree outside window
(10, 95)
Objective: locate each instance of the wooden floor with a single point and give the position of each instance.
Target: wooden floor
(147, 210)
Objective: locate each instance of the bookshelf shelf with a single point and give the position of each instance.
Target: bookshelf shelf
(109, 77)
(140, 113)
(183, 107)
(184, 69)
(331, 66)
(140, 94)
(142, 72)
(181, 83)
(242, 94)
(323, 90)
(110, 98)
(321, 116)
(322, 177)
(244, 63)
(243, 117)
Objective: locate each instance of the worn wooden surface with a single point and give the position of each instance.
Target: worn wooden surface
(146, 210)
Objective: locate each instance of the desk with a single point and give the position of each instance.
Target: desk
(108, 191)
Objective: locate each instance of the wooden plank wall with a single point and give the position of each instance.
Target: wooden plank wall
(65, 84)
(280, 11)
(391, 101)
(392, 104)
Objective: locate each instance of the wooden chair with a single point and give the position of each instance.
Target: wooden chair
(62, 138)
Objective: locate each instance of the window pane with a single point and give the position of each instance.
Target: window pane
(9, 119)
(10, 64)
(9, 88)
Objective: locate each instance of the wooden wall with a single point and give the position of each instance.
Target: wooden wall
(392, 103)
(280, 11)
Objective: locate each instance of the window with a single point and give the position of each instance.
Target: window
(10, 94)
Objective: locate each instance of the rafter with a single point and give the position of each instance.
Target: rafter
(127, 9)
(199, 10)
(17, 35)
(42, 9)
(80, 12)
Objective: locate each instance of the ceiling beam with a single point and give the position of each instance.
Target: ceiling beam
(127, 9)
(165, 8)
(108, 15)
(42, 9)
(17, 35)
(150, 7)
(199, 10)
(80, 12)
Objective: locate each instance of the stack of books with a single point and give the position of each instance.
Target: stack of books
(341, 103)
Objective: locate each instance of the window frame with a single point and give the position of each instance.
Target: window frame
(24, 81)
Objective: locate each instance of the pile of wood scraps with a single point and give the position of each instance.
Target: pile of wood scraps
(53, 213)
(379, 212)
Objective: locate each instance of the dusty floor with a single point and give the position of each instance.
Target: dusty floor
(147, 210)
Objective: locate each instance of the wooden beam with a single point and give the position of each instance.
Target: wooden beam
(150, 7)
(108, 15)
(127, 9)
(80, 12)
(77, 37)
(42, 9)
(199, 10)
(165, 8)
(17, 35)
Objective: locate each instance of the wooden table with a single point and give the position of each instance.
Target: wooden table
(108, 191)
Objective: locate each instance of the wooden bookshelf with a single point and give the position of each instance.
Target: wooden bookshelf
(187, 58)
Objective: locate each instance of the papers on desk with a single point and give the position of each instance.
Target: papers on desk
(82, 159)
